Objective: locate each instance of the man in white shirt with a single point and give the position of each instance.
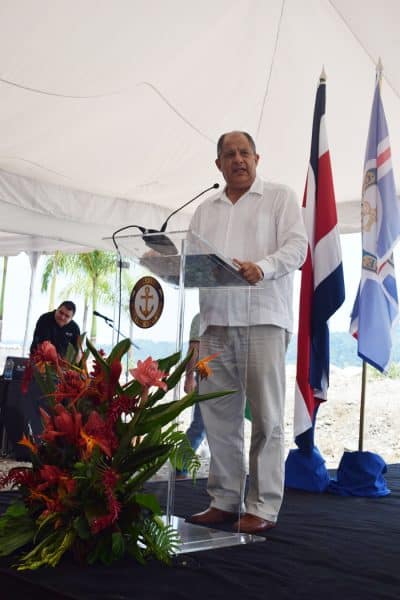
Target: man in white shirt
(259, 226)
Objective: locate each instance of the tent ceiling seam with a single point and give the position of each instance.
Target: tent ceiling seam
(278, 31)
(46, 93)
(176, 111)
(35, 164)
(358, 40)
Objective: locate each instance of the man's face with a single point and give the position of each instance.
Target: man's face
(237, 162)
(63, 316)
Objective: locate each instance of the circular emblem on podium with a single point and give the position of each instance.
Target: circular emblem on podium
(146, 302)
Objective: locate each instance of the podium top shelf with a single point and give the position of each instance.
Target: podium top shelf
(184, 254)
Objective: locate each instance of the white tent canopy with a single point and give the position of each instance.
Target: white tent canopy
(110, 111)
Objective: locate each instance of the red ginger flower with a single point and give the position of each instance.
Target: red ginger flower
(148, 374)
(115, 372)
(54, 476)
(72, 385)
(122, 404)
(110, 478)
(45, 353)
(97, 368)
(65, 424)
(103, 387)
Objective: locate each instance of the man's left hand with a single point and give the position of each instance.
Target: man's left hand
(250, 271)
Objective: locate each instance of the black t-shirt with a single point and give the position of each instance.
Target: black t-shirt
(47, 329)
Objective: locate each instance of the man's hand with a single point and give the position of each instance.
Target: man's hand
(250, 271)
(190, 383)
(190, 376)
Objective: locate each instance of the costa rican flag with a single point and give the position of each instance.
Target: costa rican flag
(375, 310)
(322, 282)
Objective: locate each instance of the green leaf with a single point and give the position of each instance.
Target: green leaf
(163, 414)
(17, 528)
(99, 359)
(119, 350)
(16, 509)
(137, 458)
(49, 551)
(148, 501)
(161, 540)
(166, 364)
(131, 389)
(117, 545)
(81, 526)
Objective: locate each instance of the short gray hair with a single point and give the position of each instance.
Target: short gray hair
(220, 142)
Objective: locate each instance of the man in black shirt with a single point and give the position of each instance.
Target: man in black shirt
(21, 413)
(58, 328)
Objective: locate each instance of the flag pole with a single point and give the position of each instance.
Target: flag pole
(362, 406)
(379, 70)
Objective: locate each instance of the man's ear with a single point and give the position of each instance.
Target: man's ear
(218, 163)
(257, 158)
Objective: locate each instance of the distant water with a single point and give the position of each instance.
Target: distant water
(343, 349)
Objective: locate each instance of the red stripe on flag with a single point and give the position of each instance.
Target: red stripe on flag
(304, 334)
(383, 156)
(326, 216)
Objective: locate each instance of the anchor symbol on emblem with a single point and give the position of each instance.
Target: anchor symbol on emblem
(146, 309)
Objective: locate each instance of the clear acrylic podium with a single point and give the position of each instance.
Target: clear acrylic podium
(188, 269)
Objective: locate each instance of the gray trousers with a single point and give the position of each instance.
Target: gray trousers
(251, 362)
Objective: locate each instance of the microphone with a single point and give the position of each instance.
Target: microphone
(213, 187)
(161, 243)
(97, 314)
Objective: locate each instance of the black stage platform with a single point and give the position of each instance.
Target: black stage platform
(324, 547)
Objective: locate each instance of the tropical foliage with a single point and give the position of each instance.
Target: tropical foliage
(101, 441)
(90, 272)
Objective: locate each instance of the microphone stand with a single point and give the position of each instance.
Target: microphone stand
(110, 323)
(157, 240)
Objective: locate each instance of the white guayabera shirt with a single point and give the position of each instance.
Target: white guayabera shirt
(264, 226)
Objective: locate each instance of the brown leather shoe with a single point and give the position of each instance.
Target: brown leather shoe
(212, 516)
(252, 524)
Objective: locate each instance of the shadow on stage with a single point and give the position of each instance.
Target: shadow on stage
(324, 546)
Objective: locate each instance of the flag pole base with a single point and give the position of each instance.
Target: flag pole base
(305, 470)
(360, 474)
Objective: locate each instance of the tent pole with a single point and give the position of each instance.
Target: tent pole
(362, 406)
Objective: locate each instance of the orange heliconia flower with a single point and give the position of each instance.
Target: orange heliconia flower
(202, 367)
(25, 441)
(94, 433)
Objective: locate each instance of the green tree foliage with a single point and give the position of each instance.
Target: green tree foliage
(90, 275)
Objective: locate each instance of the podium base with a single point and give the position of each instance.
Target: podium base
(195, 538)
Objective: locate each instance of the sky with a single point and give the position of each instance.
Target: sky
(17, 293)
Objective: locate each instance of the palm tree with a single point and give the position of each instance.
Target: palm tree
(2, 293)
(90, 271)
(55, 264)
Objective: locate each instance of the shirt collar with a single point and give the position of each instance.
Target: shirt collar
(256, 188)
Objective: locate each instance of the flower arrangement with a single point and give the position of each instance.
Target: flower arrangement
(101, 441)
